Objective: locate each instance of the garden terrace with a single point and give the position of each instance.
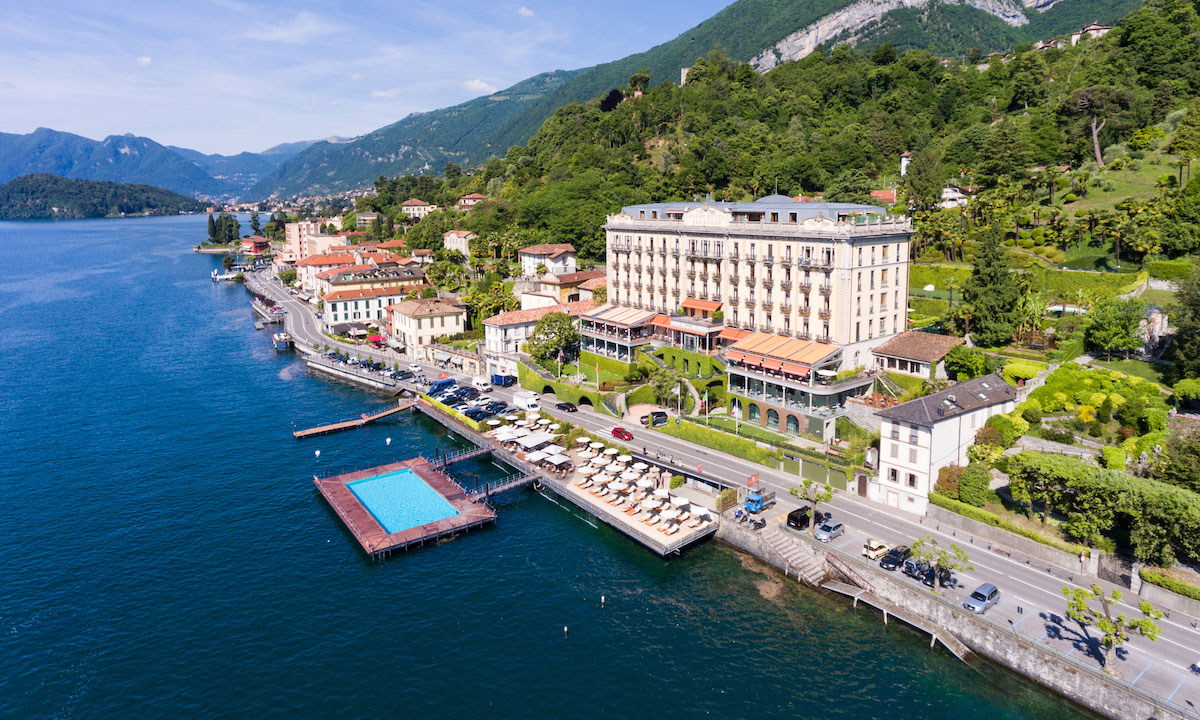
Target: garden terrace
(615, 332)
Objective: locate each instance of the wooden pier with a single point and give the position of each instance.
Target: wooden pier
(378, 542)
(348, 424)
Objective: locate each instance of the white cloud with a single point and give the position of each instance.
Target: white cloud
(524, 11)
(304, 27)
(393, 92)
(355, 76)
(479, 86)
(143, 60)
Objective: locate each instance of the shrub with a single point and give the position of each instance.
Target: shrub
(1009, 426)
(1163, 580)
(677, 481)
(973, 485)
(989, 435)
(1170, 269)
(1059, 435)
(948, 481)
(995, 520)
(1069, 198)
(1112, 458)
(1032, 415)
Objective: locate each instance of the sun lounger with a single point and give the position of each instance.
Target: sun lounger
(673, 529)
(694, 522)
(684, 516)
(631, 509)
(652, 520)
(620, 501)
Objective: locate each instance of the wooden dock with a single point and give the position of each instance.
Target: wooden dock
(348, 424)
(373, 538)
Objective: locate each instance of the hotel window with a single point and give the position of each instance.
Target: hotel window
(912, 455)
(912, 434)
(883, 326)
(895, 450)
(774, 217)
(912, 480)
(860, 260)
(895, 433)
(892, 475)
(791, 217)
(885, 253)
(870, 329)
(872, 254)
(860, 282)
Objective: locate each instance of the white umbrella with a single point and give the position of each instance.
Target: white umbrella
(624, 458)
(588, 471)
(510, 418)
(543, 421)
(598, 460)
(613, 468)
(661, 493)
(603, 478)
(535, 456)
(558, 460)
(581, 440)
(596, 445)
(670, 513)
(611, 451)
(555, 449)
(627, 475)
(652, 503)
(554, 426)
(640, 466)
(521, 423)
(645, 483)
(617, 486)
(680, 501)
(587, 454)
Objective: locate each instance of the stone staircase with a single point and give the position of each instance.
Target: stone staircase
(800, 562)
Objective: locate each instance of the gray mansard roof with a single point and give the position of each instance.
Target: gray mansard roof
(963, 397)
(770, 203)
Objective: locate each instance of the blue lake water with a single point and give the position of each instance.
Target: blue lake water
(163, 552)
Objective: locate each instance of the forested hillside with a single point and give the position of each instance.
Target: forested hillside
(838, 122)
(49, 196)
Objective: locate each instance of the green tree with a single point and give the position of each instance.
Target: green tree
(1186, 143)
(1114, 630)
(640, 80)
(212, 228)
(884, 54)
(1181, 460)
(850, 186)
(973, 485)
(600, 295)
(552, 336)
(814, 493)
(965, 363)
(665, 384)
(941, 559)
(491, 301)
(1094, 108)
(994, 291)
(287, 277)
(1114, 325)
(925, 179)
(255, 227)
(1184, 350)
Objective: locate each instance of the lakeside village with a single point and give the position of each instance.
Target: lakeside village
(776, 334)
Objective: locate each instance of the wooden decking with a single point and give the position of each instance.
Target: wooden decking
(376, 541)
(348, 424)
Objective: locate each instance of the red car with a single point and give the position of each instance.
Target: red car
(621, 433)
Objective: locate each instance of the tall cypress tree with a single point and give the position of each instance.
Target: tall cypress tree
(212, 229)
(993, 290)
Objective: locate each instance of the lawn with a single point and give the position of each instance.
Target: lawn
(1162, 298)
(468, 345)
(1137, 368)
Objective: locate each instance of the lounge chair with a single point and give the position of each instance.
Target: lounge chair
(653, 520)
(694, 522)
(620, 501)
(642, 516)
(684, 516)
(673, 529)
(633, 508)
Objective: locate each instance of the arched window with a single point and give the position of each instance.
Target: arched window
(793, 425)
(772, 420)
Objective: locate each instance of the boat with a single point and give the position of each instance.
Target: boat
(281, 340)
(218, 277)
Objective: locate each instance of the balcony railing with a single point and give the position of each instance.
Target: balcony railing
(662, 271)
(823, 314)
(662, 251)
(716, 277)
(733, 298)
(675, 273)
(750, 259)
(766, 304)
(767, 283)
(637, 286)
(786, 285)
(733, 254)
(749, 302)
(691, 274)
(768, 260)
(733, 279)
(805, 287)
(675, 253)
(638, 267)
(626, 284)
(675, 292)
(662, 290)
(785, 307)
(703, 277)
(826, 289)
(805, 309)
(749, 281)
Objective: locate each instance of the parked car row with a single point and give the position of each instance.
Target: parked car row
(901, 558)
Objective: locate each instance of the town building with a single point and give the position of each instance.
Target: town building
(504, 334)
(416, 209)
(922, 436)
(588, 288)
(952, 197)
(255, 245)
(347, 310)
(919, 354)
(558, 259)
(422, 256)
(366, 219)
(565, 288)
(1091, 30)
(1154, 329)
(415, 324)
(466, 202)
(364, 276)
(459, 240)
(308, 268)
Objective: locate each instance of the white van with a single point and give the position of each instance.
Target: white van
(526, 400)
(481, 383)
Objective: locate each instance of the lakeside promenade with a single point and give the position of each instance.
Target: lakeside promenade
(1032, 600)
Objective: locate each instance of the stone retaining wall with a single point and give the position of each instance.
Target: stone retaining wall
(1162, 598)
(984, 534)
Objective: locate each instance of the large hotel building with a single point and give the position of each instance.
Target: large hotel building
(793, 295)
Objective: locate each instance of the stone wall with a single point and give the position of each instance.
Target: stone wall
(1164, 599)
(973, 532)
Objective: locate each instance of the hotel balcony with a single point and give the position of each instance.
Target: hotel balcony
(766, 304)
(675, 253)
(826, 289)
(716, 278)
(767, 283)
(662, 290)
(768, 260)
(662, 271)
(716, 296)
(662, 252)
(703, 277)
(786, 285)
(703, 294)
(637, 286)
(805, 287)
(622, 248)
(750, 281)
(750, 302)
(626, 284)
(750, 259)
(733, 279)
(675, 292)
(823, 314)
(691, 274)
(733, 298)
(713, 253)
(733, 255)
(786, 332)
(785, 307)
(675, 273)
(804, 309)
(638, 267)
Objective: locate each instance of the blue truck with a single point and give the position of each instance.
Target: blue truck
(503, 380)
(758, 501)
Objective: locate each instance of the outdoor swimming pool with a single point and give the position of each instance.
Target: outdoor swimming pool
(401, 500)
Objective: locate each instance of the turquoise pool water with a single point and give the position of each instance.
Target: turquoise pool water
(401, 500)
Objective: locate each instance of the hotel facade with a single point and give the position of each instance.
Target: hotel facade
(794, 296)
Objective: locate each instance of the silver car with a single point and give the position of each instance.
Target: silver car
(982, 600)
(828, 530)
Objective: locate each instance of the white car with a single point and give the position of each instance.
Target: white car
(480, 401)
(414, 368)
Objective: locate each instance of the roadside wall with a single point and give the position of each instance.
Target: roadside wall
(1161, 598)
(978, 533)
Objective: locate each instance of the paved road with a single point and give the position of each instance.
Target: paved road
(1032, 600)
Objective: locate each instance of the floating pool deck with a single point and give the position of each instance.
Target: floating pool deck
(371, 535)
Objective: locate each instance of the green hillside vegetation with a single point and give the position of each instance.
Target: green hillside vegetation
(49, 196)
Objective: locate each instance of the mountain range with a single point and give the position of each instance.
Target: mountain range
(762, 32)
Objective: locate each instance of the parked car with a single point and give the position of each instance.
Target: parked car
(983, 599)
(621, 433)
(875, 549)
(566, 407)
(829, 530)
(916, 568)
(799, 518)
(414, 368)
(895, 557)
(496, 405)
(655, 418)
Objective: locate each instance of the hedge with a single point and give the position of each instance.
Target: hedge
(642, 396)
(1003, 523)
(681, 360)
(616, 367)
(721, 442)
(1063, 284)
(477, 427)
(1163, 580)
(1170, 269)
(565, 393)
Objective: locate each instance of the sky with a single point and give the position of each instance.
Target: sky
(223, 76)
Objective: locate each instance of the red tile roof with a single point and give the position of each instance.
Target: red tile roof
(575, 277)
(702, 305)
(553, 250)
(414, 202)
(919, 346)
(366, 293)
(326, 274)
(887, 196)
(425, 306)
(594, 284)
(326, 259)
(392, 244)
(521, 317)
(473, 196)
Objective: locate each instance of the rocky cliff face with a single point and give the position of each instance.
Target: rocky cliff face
(854, 17)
